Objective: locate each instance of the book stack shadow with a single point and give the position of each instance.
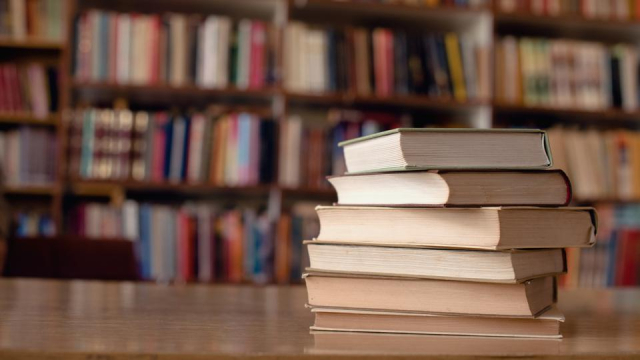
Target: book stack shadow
(445, 231)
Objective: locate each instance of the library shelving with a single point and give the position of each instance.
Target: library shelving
(482, 25)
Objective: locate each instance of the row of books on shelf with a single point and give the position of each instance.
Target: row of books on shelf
(28, 156)
(200, 242)
(38, 19)
(175, 49)
(28, 89)
(615, 259)
(601, 164)
(385, 62)
(590, 9)
(309, 149)
(219, 148)
(33, 224)
(566, 73)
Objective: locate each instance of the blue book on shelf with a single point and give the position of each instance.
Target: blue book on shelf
(88, 131)
(168, 130)
(23, 225)
(104, 46)
(244, 145)
(611, 261)
(144, 245)
(46, 226)
(185, 148)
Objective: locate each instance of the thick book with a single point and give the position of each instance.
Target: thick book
(527, 299)
(415, 149)
(469, 265)
(484, 228)
(455, 188)
(547, 325)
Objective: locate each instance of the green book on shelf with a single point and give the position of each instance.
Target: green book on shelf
(425, 149)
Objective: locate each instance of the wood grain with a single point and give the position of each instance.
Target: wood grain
(45, 319)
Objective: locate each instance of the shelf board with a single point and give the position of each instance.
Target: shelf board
(369, 11)
(49, 190)
(28, 119)
(32, 44)
(396, 101)
(568, 25)
(108, 187)
(190, 90)
(613, 115)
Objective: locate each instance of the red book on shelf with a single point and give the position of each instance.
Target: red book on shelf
(621, 251)
(630, 262)
(185, 251)
(389, 63)
(3, 91)
(8, 85)
(192, 224)
(18, 103)
(256, 64)
(154, 57)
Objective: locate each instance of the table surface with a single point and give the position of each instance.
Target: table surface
(45, 319)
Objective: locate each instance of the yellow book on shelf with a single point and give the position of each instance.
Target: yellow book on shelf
(455, 66)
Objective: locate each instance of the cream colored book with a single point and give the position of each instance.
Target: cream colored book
(547, 325)
(528, 299)
(481, 228)
(415, 149)
(468, 265)
(455, 188)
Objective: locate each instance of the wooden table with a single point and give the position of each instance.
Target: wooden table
(96, 320)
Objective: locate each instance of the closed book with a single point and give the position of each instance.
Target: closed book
(455, 188)
(139, 146)
(514, 266)
(528, 299)
(257, 55)
(547, 325)
(485, 228)
(455, 65)
(413, 149)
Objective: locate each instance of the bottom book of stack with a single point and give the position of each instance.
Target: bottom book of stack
(412, 305)
(546, 325)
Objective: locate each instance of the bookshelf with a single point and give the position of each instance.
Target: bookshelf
(482, 24)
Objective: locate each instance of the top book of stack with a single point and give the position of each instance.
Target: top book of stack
(426, 149)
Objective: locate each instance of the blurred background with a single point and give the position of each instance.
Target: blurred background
(189, 141)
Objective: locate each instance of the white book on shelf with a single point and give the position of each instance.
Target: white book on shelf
(18, 18)
(222, 52)
(130, 224)
(210, 43)
(469, 66)
(244, 53)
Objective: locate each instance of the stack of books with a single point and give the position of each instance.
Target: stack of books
(445, 231)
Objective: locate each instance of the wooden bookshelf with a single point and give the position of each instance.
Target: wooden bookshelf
(486, 22)
(31, 44)
(28, 119)
(48, 190)
(577, 115)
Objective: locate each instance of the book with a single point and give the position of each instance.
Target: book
(414, 149)
(454, 188)
(173, 48)
(469, 265)
(528, 299)
(484, 228)
(547, 325)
